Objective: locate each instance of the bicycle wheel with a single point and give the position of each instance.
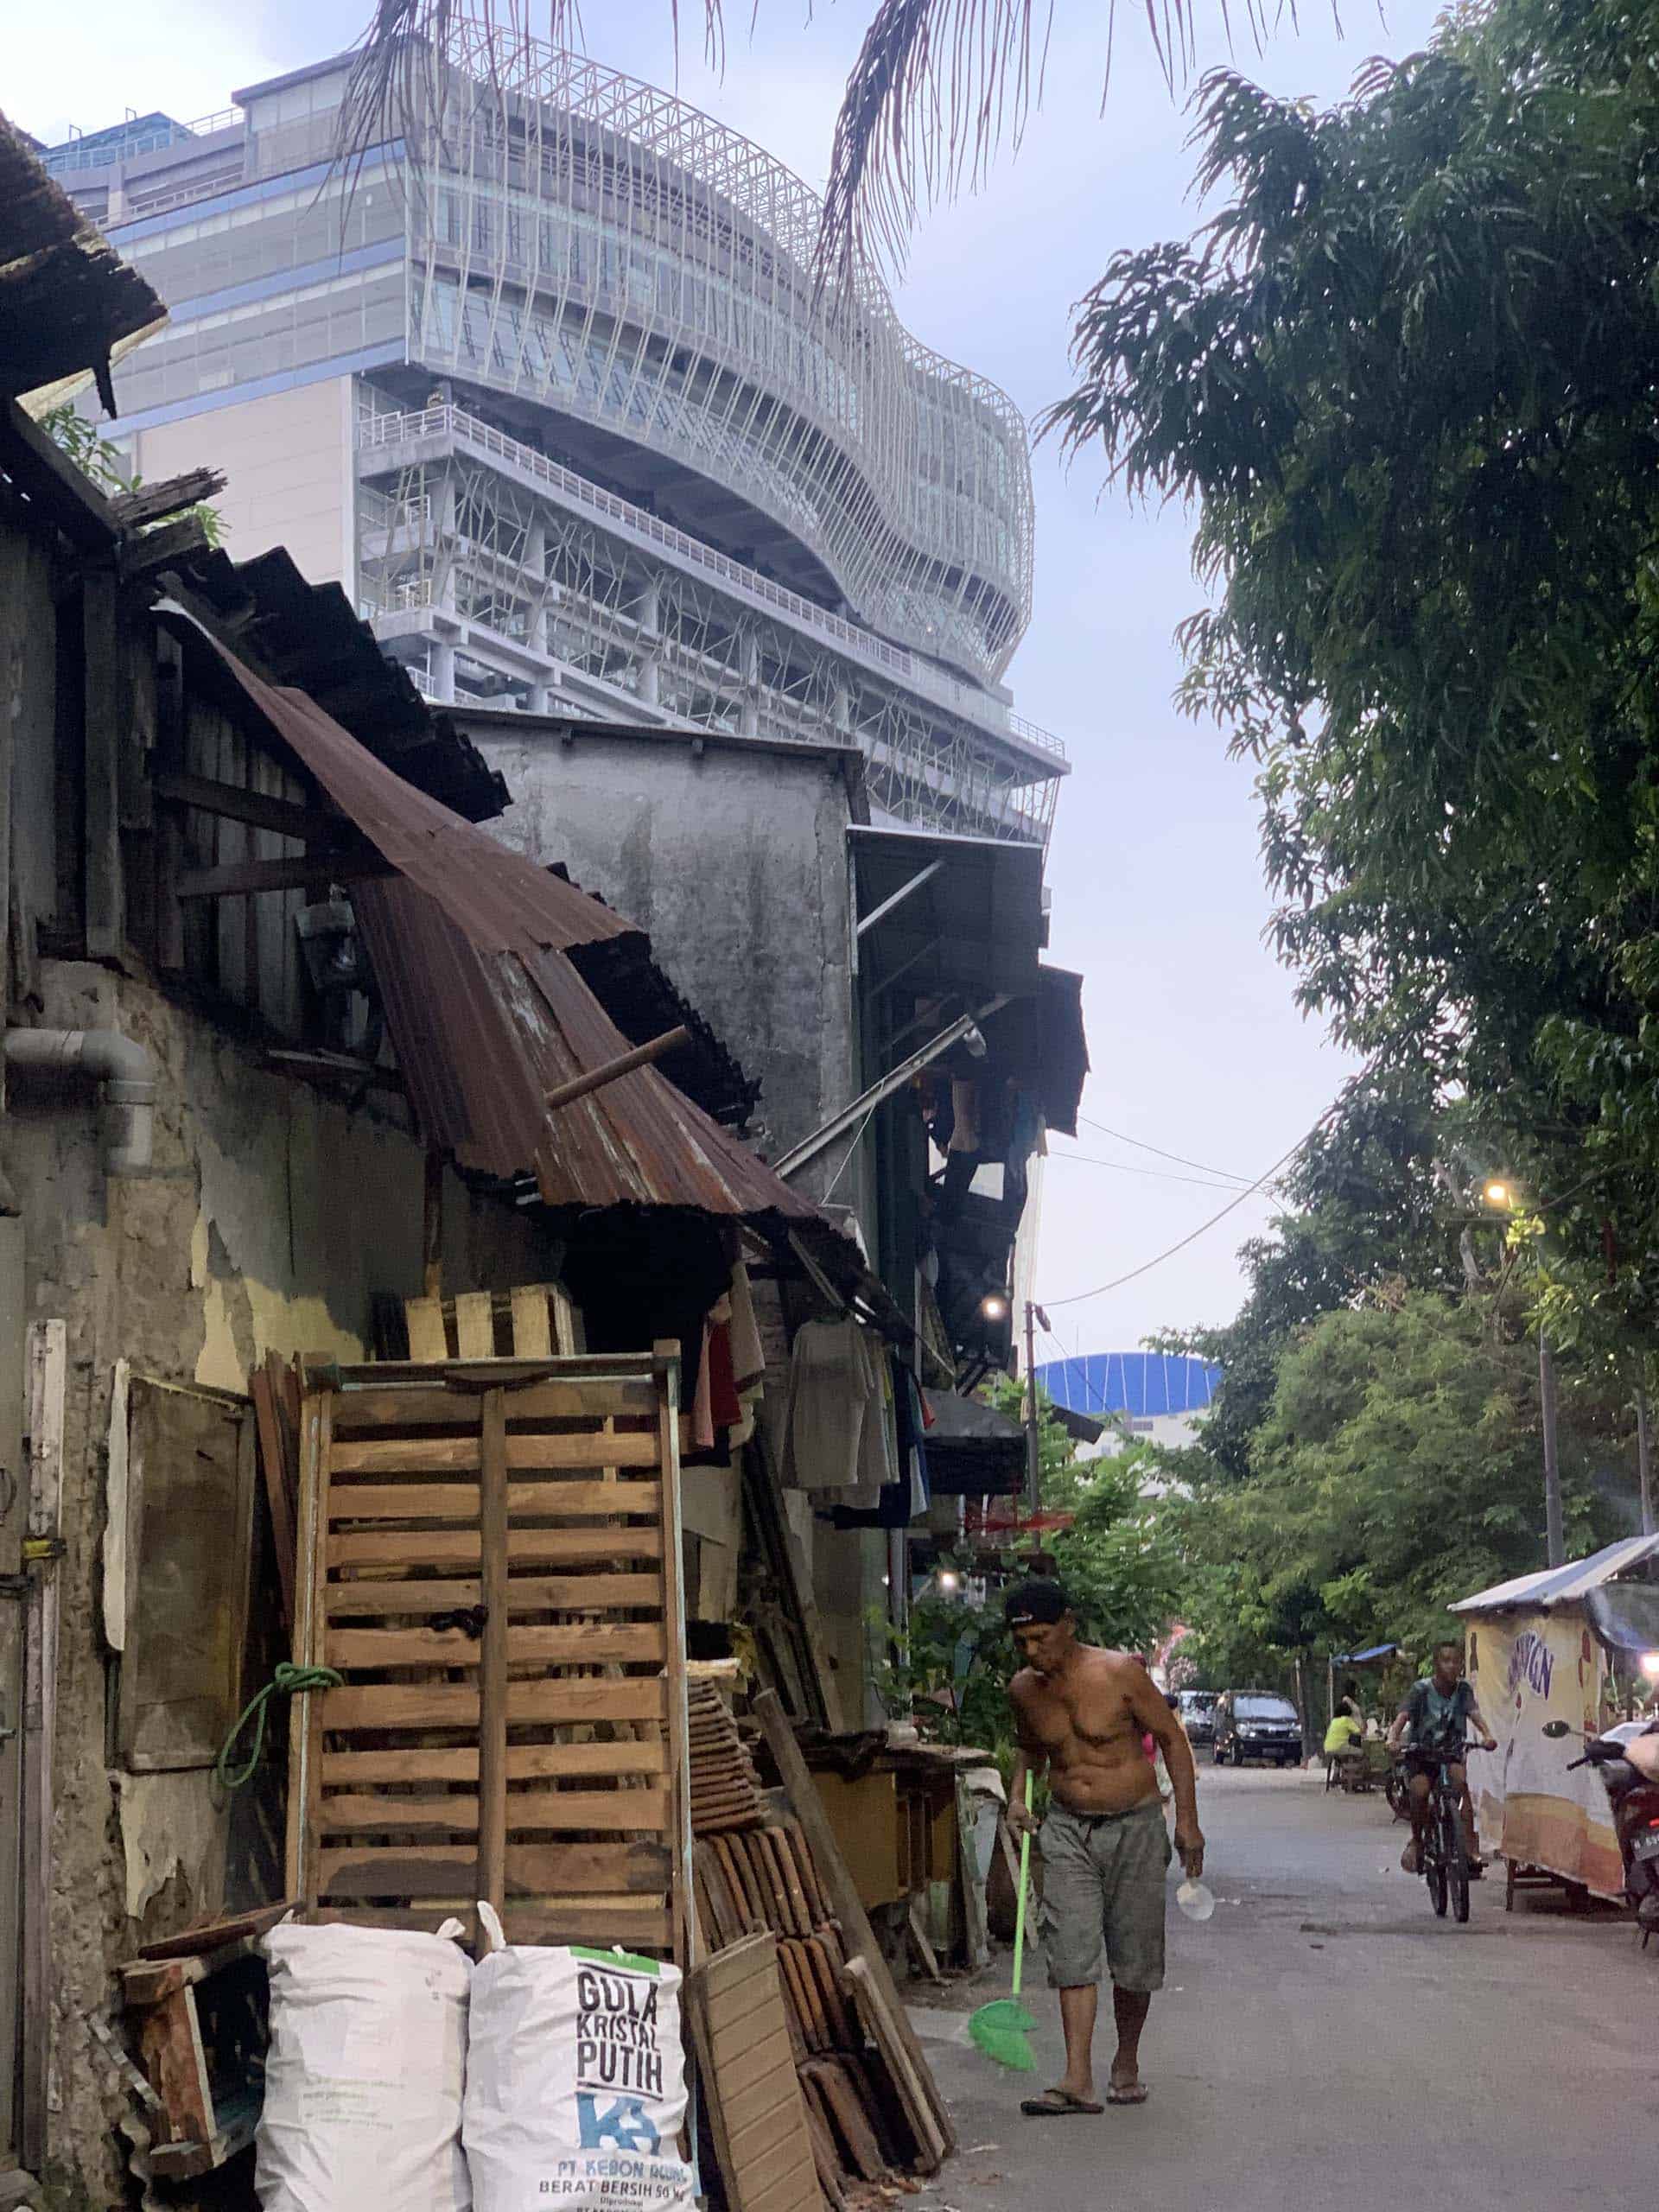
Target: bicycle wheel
(1456, 1864)
(1434, 1872)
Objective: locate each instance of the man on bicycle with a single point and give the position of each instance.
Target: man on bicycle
(1437, 1714)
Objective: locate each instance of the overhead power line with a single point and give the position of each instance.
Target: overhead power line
(1146, 1268)
(1180, 1159)
(1132, 1167)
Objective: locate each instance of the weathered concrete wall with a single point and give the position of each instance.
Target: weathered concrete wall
(270, 1217)
(734, 861)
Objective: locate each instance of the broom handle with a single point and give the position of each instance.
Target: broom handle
(1020, 1909)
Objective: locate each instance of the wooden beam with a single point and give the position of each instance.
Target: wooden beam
(167, 496)
(596, 1078)
(492, 1517)
(281, 815)
(49, 1369)
(247, 878)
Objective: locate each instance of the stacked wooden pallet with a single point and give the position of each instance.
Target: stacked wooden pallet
(489, 1558)
(864, 2127)
(725, 1789)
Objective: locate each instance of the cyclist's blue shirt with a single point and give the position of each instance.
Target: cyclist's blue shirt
(1439, 1718)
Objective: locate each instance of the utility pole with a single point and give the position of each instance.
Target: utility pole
(1644, 1461)
(1554, 1537)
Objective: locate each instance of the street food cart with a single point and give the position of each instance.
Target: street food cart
(1555, 1647)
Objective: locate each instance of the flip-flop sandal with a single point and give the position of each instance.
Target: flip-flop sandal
(1057, 2104)
(1135, 2095)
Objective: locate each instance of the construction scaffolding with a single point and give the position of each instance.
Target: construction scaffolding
(502, 578)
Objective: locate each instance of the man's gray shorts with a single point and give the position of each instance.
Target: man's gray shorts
(1103, 1896)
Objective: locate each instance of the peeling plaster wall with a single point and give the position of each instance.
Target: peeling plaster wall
(271, 1217)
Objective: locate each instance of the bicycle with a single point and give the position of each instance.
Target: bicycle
(1445, 1867)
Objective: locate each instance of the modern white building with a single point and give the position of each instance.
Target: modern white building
(545, 381)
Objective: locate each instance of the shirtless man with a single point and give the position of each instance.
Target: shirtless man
(1083, 1713)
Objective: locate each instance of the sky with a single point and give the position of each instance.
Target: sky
(1197, 1045)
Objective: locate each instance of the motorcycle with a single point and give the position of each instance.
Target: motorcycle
(1626, 1759)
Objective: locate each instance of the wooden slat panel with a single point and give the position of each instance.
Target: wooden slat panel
(459, 1547)
(475, 1325)
(668, 1416)
(423, 1317)
(536, 1451)
(575, 1812)
(532, 1335)
(431, 1405)
(526, 1594)
(354, 1770)
(454, 1705)
(452, 1647)
(492, 1645)
(536, 1869)
(424, 1501)
(540, 1451)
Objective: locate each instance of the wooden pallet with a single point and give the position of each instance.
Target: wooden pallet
(532, 1322)
(490, 1555)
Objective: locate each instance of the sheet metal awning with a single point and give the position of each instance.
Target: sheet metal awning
(972, 1450)
(1563, 1585)
(471, 944)
(973, 928)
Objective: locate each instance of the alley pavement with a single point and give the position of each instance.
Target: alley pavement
(1324, 2041)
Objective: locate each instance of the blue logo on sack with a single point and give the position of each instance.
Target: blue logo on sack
(624, 2124)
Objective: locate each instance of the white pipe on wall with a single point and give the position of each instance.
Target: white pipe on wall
(125, 1068)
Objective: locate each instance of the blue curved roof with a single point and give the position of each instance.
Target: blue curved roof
(1142, 1384)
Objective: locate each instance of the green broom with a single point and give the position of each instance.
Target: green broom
(999, 2029)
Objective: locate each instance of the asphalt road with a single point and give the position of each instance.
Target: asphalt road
(1324, 2041)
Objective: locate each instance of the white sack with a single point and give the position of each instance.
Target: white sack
(576, 2083)
(365, 2072)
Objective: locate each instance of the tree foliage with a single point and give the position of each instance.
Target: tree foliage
(1407, 372)
(1398, 1469)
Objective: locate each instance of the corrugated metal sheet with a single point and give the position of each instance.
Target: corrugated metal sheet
(1562, 1585)
(69, 300)
(469, 942)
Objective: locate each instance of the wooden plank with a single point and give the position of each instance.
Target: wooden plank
(314, 1704)
(239, 805)
(841, 1894)
(422, 1455)
(617, 1812)
(432, 1406)
(409, 1455)
(454, 1705)
(459, 1547)
(526, 1594)
(528, 1870)
(425, 1501)
(532, 1335)
(492, 1654)
(525, 1763)
(475, 1325)
(304, 1745)
(247, 878)
(914, 2083)
(639, 1927)
(273, 1467)
(423, 1318)
(665, 1351)
(600, 1642)
(175, 2066)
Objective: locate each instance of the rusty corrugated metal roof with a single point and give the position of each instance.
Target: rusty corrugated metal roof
(470, 944)
(71, 301)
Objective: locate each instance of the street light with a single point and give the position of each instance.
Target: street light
(1649, 1665)
(949, 1581)
(994, 1307)
(1498, 1194)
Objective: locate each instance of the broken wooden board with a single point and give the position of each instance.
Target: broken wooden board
(734, 2002)
(489, 1554)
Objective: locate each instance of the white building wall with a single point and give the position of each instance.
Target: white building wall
(289, 471)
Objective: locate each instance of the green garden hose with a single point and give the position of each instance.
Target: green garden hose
(287, 1682)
